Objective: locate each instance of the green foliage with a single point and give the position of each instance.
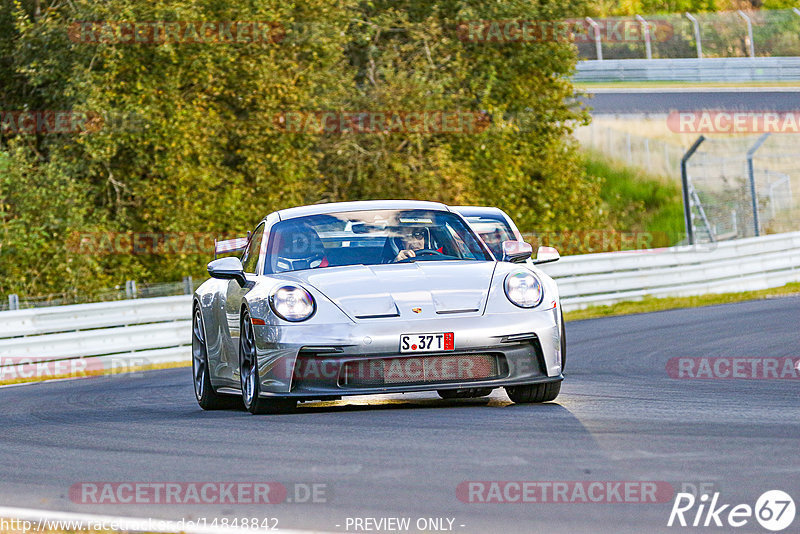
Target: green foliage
(189, 141)
(40, 206)
(637, 202)
(650, 7)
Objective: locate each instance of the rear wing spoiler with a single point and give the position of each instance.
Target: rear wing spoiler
(230, 245)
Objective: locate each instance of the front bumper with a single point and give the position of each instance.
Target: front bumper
(364, 358)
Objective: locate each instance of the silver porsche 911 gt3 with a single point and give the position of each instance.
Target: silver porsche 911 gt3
(373, 297)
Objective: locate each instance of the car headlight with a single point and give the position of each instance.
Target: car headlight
(292, 303)
(524, 289)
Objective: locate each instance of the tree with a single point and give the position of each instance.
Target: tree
(192, 136)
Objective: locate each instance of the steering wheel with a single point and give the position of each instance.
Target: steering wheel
(422, 252)
(428, 252)
(284, 264)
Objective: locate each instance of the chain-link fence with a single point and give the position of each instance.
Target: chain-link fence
(721, 193)
(130, 290)
(764, 33)
(745, 186)
(656, 156)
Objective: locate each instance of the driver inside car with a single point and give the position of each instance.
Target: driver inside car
(411, 240)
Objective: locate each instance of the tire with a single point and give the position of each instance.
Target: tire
(469, 393)
(532, 393)
(248, 372)
(563, 344)
(207, 398)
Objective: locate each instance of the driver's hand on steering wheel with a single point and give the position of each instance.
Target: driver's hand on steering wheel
(405, 254)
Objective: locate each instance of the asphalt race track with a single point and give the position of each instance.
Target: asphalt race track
(626, 101)
(620, 417)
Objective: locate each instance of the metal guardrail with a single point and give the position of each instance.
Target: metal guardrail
(739, 265)
(158, 330)
(727, 69)
(40, 342)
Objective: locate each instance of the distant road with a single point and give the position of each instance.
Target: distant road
(664, 100)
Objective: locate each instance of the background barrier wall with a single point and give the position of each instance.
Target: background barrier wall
(739, 265)
(37, 342)
(726, 69)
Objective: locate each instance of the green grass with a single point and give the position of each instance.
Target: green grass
(651, 304)
(636, 201)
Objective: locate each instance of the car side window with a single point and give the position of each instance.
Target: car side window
(250, 254)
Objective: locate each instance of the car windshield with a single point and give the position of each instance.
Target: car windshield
(370, 237)
(492, 231)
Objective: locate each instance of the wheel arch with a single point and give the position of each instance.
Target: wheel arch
(211, 331)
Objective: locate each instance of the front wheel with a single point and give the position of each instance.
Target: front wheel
(248, 371)
(531, 393)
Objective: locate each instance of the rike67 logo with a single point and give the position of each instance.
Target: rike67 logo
(774, 510)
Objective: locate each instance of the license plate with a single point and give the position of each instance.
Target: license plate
(427, 342)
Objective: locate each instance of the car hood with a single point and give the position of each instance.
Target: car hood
(417, 290)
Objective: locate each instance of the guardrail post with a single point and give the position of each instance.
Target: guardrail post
(188, 286)
(751, 174)
(130, 289)
(697, 41)
(13, 301)
(751, 46)
(687, 208)
(598, 46)
(646, 30)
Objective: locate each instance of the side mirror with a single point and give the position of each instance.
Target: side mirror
(546, 255)
(227, 269)
(516, 251)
